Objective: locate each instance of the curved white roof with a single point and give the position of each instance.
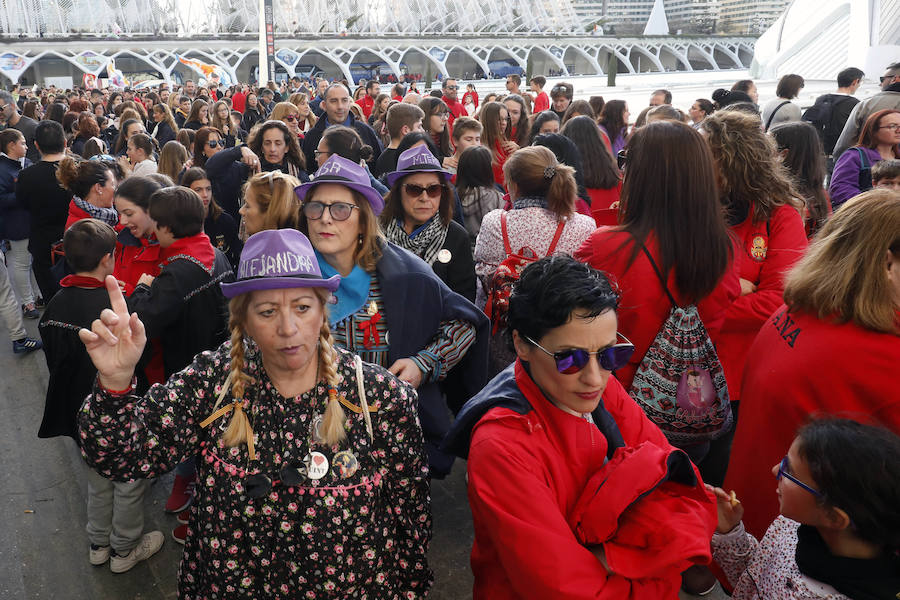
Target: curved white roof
(819, 38)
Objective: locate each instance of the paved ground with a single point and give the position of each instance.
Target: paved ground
(43, 546)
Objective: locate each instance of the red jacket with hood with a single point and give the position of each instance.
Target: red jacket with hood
(529, 464)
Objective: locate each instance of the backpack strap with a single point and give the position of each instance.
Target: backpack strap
(505, 233)
(863, 159)
(559, 231)
(772, 116)
(659, 274)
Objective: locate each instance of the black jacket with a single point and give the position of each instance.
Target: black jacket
(163, 133)
(252, 116)
(314, 136)
(459, 271)
(15, 222)
(71, 371)
(185, 308)
(47, 202)
(223, 234)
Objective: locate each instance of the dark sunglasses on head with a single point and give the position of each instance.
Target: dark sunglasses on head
(339, 211)
(290, 118)
(574, 360)
(434, 190)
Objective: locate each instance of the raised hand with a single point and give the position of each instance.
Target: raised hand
(115, 341)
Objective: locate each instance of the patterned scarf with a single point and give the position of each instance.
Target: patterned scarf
(107, 215)
(425, 242)
(530, 202)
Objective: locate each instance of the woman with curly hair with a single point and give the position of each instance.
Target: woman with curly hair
(764, 212)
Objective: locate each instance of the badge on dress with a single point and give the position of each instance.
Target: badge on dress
(316, 465)
(444, 256)
(344, 464)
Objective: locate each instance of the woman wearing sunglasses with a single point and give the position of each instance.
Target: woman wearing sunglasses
(541, 432)
(208, 142)
(671, 222)
(306, 481)
(418, 216)
(289, 114)
(833, 347)
(391, 307)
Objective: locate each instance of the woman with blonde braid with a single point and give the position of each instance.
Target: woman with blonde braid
(311, 470)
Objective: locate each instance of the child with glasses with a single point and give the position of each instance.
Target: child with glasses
(839, 530)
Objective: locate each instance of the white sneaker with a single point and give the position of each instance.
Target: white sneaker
(148, 546)
(99, 555)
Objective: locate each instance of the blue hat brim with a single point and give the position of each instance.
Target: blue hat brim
(393, 176)
(242, 286)
(371, 194)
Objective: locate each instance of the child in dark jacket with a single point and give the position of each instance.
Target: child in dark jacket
(838, 534)
(115, 510)
(183, 306)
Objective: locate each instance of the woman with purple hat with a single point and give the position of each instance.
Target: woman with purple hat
(418, 216)
(391, 308)
(311, 470)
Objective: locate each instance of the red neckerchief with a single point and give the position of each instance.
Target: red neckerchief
(197, 247)
(81, 281)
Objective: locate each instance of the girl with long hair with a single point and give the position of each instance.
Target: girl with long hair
(435, 122)
(602, 178)
(199, 115)
(614, 123)
(495, 136)
(476, 189)
(518, 119)
(800, 148)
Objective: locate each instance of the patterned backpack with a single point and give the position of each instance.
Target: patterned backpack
(507, 274)
(680, 383)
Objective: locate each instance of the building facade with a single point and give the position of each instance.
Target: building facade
(749, 17)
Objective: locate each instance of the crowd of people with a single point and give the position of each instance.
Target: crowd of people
(308, 302)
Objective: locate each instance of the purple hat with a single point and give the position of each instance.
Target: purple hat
(416, 160)
(276, 259)
(338, 169)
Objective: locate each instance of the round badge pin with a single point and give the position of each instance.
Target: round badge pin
(316, 465)
(444, 256)
(344, 464)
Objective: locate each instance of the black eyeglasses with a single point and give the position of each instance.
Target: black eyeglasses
(214, 143)
(339, 211)
(434, 190)
(574, 360)
(783, 471)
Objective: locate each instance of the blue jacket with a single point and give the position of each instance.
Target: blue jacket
(416, 301)
(15, 221)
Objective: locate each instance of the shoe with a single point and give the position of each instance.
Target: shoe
(182, 494)
(180, 534)
(39, 303)
(184, 517)
(99, 555)
(148, 546)
(26, 345)
(30, 313)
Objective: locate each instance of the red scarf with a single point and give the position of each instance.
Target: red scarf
(196, 246)
(81, 281)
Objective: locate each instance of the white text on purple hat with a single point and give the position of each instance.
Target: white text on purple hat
(275, 265)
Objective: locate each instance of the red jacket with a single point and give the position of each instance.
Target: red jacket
(800, 365)
(767, 252)
(541, 103)
(644, 305)
(239, 102)
(456, 110)
(605, 204)
(134, 258)
(76, 213)
(528, 464)
(367, 103)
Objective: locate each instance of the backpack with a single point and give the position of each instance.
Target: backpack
(680, 383)
(507, 274)
(821, 116)
(864, 181)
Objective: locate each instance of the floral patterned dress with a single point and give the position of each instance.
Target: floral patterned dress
(357, 525)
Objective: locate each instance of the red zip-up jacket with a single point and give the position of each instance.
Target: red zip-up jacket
(767, 252)
(528, 464)
(644, 306)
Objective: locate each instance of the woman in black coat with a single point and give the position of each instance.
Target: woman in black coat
(252, 113)
(418, 216)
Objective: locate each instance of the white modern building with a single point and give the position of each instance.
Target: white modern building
(748, 17)
(819, 38)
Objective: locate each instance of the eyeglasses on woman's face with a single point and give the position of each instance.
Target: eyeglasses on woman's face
(339, 211)
(432, 191)
(784, 471)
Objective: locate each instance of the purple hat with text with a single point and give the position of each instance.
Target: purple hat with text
(417, 160)
(276, 259)
(342, 171)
